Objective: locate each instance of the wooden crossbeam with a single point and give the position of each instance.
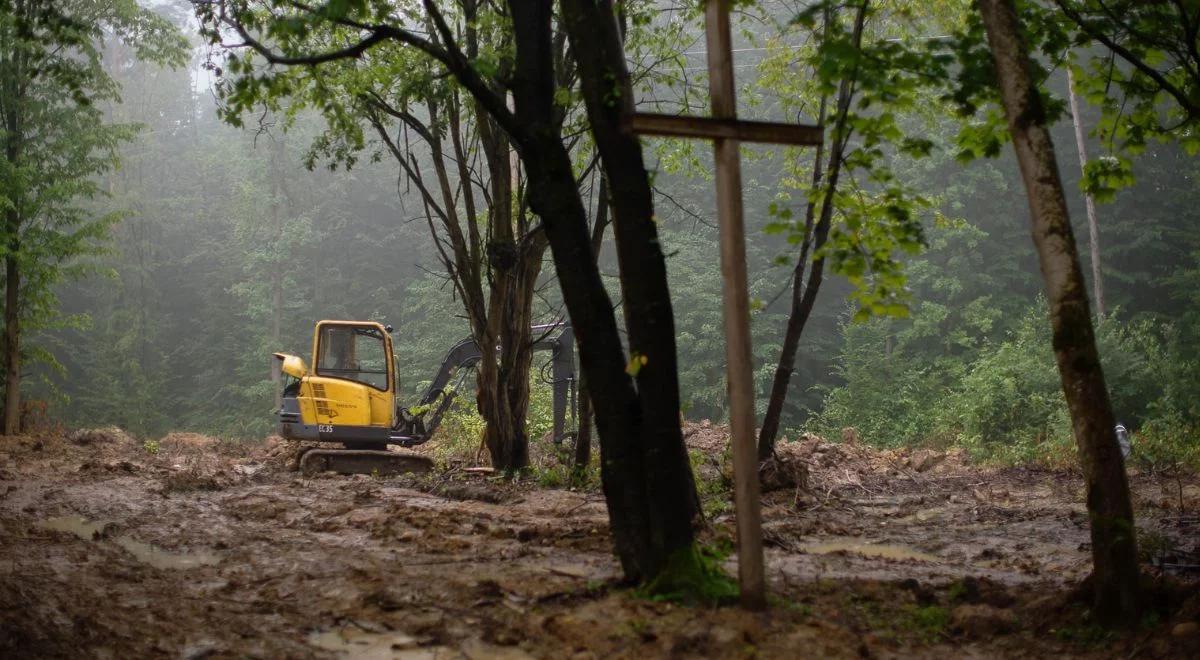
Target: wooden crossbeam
(726, 132)
(742, 130)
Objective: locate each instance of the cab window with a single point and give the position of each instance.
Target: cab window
(353, 353)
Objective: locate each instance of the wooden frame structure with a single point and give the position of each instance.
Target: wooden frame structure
(727, 132)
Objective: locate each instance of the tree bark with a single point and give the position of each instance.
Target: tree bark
(583, 437)
(649, 318)
(511, 318)
(1088, 202)
(12, 329)
(513, 261)
(277, 264)
(1114, 547)
(647, 479)
(797, 318)
(583, 440)
(803, 300)
(496, 281)
(12, 107)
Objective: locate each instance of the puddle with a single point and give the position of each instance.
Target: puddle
(363, 645)
(77, 525)
(159, 558)
(898, 552)
(143, 552)
(927, 515)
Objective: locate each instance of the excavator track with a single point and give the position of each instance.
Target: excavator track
(363, 461)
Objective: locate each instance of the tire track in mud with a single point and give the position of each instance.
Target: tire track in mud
(330, 566)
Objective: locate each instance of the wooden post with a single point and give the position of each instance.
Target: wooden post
(738, 370)
(727, 132)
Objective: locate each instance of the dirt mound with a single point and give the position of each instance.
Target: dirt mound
(109, 435)
(780, 472)
(709, 438)
(813, 463)
(186, 467)
(837, 466)
(279, 454)
(188, 442)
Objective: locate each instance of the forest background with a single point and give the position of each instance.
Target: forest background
(174, 327)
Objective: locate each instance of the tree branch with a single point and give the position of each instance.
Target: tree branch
(1190, 107)
(450, 57)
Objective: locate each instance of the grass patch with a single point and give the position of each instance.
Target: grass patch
(803, 610)
(898, 622)
(714, 490)
(693, 576)
(927, 623)
(1090, 634)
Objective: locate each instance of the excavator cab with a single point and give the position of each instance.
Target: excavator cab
(349, 397)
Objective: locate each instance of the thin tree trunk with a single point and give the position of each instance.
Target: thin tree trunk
(796, 317)
(583, 438)
(510, 264)
(1114, 546)
(514, 262)
(504, 378)
(277, 263)
(513, 288)
(12, 226)
(12, 331)
(454, 119)
(803, 300)
(1088, 202)
(583, 441)
(602, 360)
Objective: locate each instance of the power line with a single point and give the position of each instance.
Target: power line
(794, 47)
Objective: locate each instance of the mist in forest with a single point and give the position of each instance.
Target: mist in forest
(973, 303)
(233, 242)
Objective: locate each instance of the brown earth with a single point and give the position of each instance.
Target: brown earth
(193, 547)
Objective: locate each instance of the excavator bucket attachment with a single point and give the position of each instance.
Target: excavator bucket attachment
(379, 462)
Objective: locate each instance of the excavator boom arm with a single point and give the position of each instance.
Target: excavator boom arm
(415, 427)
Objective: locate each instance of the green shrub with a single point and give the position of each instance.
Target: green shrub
(1001, 398)
(1009, 405)
(460, 434)
(1167, 444)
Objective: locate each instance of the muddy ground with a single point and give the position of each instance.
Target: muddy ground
(193, 548)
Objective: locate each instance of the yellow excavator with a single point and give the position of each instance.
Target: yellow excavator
(349, 397)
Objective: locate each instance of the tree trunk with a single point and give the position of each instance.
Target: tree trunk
(512, 316)
(1114, 547)
(649, 318)
(12, 107)
(509, 264)
(12, 330)
(803, 300)
(277, 264)
(513, 262)
(1088, 202)
(583, 440)
(797, 318)
(602, 360)
(647, 478)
